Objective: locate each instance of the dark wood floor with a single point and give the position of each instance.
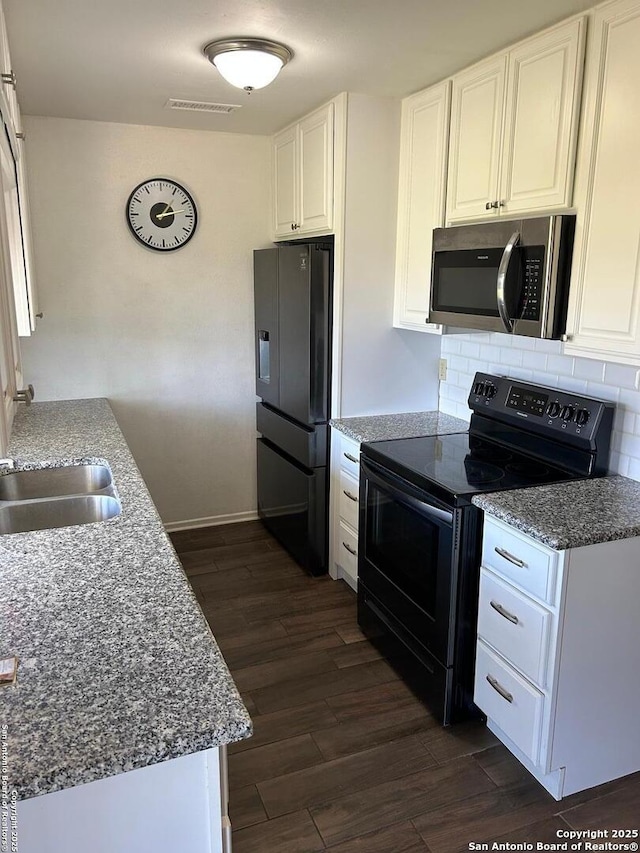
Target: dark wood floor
(344, 758)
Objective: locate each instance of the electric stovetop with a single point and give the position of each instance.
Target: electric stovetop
(463, 464)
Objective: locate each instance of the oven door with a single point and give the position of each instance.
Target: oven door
(406, 558)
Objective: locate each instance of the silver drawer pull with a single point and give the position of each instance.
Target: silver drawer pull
(350, 496)
(507, 556)
(504, 612)
(349, 549)
(499, 688)
(351, 458)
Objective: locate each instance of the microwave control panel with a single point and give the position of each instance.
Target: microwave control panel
(533, 274)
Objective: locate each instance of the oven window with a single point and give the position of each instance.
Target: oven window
(406, 547)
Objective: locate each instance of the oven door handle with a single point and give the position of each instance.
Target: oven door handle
(501, 291)
(425, 508)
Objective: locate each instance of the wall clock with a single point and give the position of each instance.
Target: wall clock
(161, 214)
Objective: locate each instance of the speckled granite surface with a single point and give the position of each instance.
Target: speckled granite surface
(118, 668)
(569, 515)
(406, 425)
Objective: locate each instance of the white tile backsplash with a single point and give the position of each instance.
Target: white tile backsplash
(543, 362)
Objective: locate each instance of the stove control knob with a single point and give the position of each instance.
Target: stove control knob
(567, 413)
(478, 388)
(553, 409)
(582, 416)
(490, 391)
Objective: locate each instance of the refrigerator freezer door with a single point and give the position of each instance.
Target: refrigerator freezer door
(291, 503)
(307, 445)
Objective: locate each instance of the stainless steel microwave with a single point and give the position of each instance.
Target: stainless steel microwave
(504, 276)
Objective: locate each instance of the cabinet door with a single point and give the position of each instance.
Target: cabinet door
(285, 190)
(604, 318)
(27, 298)
(10, 366)
(541, 120)
(316, 171)
(8, 88)
(423, 156)
(477, 105)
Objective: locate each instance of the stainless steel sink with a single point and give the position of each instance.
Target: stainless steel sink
(24, 516)
(54, 482)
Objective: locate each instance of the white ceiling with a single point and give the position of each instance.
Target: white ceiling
(120, 60)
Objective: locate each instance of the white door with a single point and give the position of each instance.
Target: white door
(10, 365)
(285, 177)
(604, 319)
(423, 160)
(541, 120)
(477, 105)
(316, 171)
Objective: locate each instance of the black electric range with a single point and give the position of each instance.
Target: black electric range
(420, 536)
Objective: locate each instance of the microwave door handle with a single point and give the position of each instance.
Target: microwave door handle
(503, 269)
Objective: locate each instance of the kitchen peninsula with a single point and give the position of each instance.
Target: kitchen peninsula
(123, 703)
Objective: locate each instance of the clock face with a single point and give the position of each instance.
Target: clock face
(161, 214)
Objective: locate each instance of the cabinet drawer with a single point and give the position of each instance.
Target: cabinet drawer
(349, 487)
(348, 551)
(350, 457)
(509, 700)
(515, 555)
(514, 625)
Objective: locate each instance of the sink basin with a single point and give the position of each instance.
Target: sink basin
(62, 512)
(54, 482)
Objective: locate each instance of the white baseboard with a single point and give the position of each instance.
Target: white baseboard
(212, 521)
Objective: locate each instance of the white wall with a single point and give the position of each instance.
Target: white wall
(543, 362)
(166, 337)
(384, 370)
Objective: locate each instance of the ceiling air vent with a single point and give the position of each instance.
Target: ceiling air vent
(202, 106)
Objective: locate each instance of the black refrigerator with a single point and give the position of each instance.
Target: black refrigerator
(293, 285)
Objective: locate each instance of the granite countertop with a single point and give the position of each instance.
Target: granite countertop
(569, 515)
(118, 667)
(406, 425)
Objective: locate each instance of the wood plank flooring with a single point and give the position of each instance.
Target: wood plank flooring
(344, 757)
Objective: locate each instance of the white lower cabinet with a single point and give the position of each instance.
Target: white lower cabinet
(180, 804)
(558, 654)
(344, 508)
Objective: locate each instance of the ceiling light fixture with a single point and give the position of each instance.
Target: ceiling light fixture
(248, 63)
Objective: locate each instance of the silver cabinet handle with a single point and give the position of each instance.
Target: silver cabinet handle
(349, 549)
(350, 496)
(24, 395)
(501, 610)
(488, 206)
(351, 458)
(499, 688)
(507, 322)
(507, 556)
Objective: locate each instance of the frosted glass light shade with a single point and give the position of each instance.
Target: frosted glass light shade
(248, 69)
(248, 63)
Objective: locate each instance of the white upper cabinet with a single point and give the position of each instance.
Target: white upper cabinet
(514, 122)
(476, 138)
(303, 176)
(285, 176)
(604, 310)
(16, 202)
(421, 195)
(10, 364)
